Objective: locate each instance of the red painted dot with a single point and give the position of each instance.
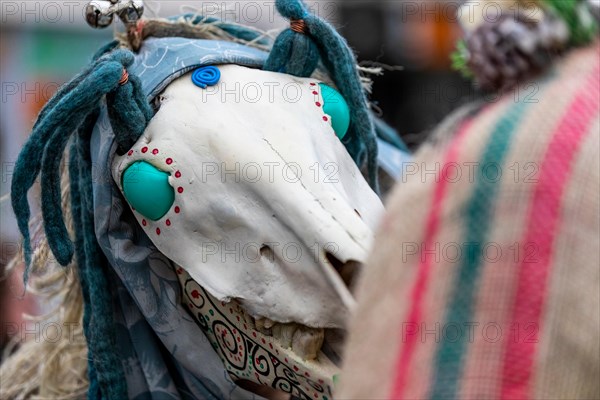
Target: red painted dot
(155, 151)
(168, 222)
(312, 84)
(318, 104)
(295, 368)
(177, 210)
(130, 152)
(180, 190)
(144, 149)
(177, 174)
(325, 118)
(158, 231)
(144, 222)
(169, 161)
(315, 93)
(195, 294)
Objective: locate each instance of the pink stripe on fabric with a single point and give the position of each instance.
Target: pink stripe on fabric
(424, 270)
(542, 228)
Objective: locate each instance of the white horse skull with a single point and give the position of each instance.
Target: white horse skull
(267, 201)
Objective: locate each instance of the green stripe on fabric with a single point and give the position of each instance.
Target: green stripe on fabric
(478, 214)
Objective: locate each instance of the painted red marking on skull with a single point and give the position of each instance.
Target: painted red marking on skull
(177, 174)
(195, 294)
(177, 210)
(169, 161)
(158, 231)
(155, 151)
(144, 149)
(144, 223)
(179, 189)
(130, 152)
(318, 104)
(325, 118)
(168, 222)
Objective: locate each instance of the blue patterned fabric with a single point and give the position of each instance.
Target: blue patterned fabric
(161, 61)
(165, 354)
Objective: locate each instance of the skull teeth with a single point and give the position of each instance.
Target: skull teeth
(284, 333)
(306, 342)
(263, 325)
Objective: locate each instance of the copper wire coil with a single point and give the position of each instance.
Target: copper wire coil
(124, 77)
(298, 26)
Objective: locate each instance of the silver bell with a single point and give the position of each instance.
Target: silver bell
(100, 13)
(96, 18)
(133, 12)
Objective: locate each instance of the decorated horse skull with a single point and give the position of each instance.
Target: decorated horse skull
(264, 201)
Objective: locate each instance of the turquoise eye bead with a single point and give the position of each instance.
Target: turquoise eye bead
(147, 189)
(335, 106)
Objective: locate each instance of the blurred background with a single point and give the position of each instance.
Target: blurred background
(44, 43)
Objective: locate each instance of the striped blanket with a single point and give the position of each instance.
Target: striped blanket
(484, 281)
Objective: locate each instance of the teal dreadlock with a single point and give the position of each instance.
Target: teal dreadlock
(296, 52)
(74, 109)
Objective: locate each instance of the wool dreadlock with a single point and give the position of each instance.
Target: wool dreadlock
(74, 109)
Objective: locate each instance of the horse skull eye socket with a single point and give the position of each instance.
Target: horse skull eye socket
(336, 107)
(147, 190)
